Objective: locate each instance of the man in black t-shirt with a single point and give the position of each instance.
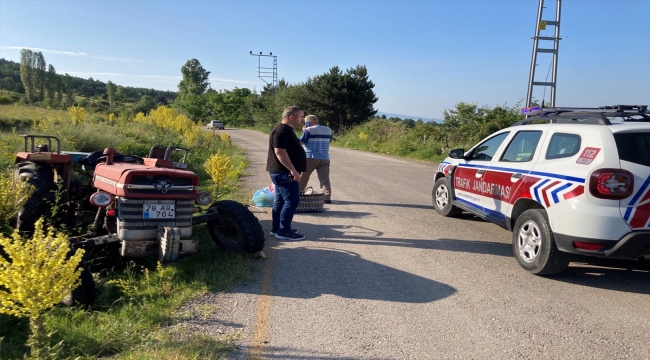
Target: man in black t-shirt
(285, 162)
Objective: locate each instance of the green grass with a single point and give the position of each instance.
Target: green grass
(391, 138)
(132, 317)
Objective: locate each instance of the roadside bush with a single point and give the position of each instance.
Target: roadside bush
(87, 137)
(5, 99)
(77, 114)
(13, 195)
(222, 173)
(39, 276)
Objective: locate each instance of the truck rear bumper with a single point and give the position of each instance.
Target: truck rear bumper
(634, 245)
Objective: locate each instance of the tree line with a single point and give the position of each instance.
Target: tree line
(339, 98)
(49, 88)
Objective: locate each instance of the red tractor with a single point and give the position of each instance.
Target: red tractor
(141, 206)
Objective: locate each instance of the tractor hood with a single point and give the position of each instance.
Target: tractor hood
(136, 181)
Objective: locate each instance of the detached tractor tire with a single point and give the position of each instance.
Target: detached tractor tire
(86, 292)
(441, 198)
(237, 228)
(41, 177)
(534, 247)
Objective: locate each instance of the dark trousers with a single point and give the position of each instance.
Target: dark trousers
(286, 201)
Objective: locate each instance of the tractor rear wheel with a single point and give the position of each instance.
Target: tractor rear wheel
(237, 228)
(41, 177)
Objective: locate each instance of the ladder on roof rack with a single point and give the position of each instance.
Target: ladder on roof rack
(541, 25)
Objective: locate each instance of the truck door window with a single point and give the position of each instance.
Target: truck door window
(486, 150)
(522, 147)
(563, 145)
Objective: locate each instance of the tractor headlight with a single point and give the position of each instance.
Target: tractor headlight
(101, 199)
(203, 198)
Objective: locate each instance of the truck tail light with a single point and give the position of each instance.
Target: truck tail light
(101, 199)
(588, 246)
(615, 184)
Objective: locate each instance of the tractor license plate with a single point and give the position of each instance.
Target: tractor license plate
(158, 211)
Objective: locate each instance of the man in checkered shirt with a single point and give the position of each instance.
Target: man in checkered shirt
(316, 140)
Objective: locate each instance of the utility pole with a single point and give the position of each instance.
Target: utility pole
(540, 26)
(263, 72)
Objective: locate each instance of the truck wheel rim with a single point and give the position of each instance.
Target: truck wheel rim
(442, 196)
(529, 241)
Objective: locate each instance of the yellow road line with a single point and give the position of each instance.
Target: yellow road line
(263, 307)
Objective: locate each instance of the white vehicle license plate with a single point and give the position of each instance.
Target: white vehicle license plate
(158, 211)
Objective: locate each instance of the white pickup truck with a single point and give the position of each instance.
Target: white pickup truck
(568, 180)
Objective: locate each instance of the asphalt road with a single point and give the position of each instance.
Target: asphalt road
(382, 276)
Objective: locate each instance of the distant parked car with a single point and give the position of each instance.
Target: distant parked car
(216, 124)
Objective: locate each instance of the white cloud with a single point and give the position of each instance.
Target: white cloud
(234, 81)
(59, 52)
(82, 74)
(71, 53)
(161, 77)
(114, 59)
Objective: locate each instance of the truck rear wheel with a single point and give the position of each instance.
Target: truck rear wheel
(237, 228)
(41, 177)
(534, 247)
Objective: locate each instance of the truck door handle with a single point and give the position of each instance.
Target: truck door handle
(515, 177)
(479, 173)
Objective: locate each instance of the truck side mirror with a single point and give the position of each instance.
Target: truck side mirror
(456, 153)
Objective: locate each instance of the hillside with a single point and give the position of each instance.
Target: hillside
(404, 117)
(10, 80)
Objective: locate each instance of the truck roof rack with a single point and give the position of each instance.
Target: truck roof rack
(608, 109)
(575, 115)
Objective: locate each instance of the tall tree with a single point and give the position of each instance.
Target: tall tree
(145, 105)
(342, 100)
(39, 81)
(51, 84)
(194, 106)
(232, 106)
(68, 91)
(195, 79)
(110, 90)
(7, 83)
(27, 66)
(192, 87)
(59, 91)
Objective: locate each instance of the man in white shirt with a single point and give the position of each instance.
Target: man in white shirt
(316, 140)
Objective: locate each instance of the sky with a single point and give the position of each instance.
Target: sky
(424, 56)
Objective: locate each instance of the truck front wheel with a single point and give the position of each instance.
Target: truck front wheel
(441, 196)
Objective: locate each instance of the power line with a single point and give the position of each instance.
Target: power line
(263, 73)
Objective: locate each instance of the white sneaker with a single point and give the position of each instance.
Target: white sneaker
(292, 236)
(273, 233)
